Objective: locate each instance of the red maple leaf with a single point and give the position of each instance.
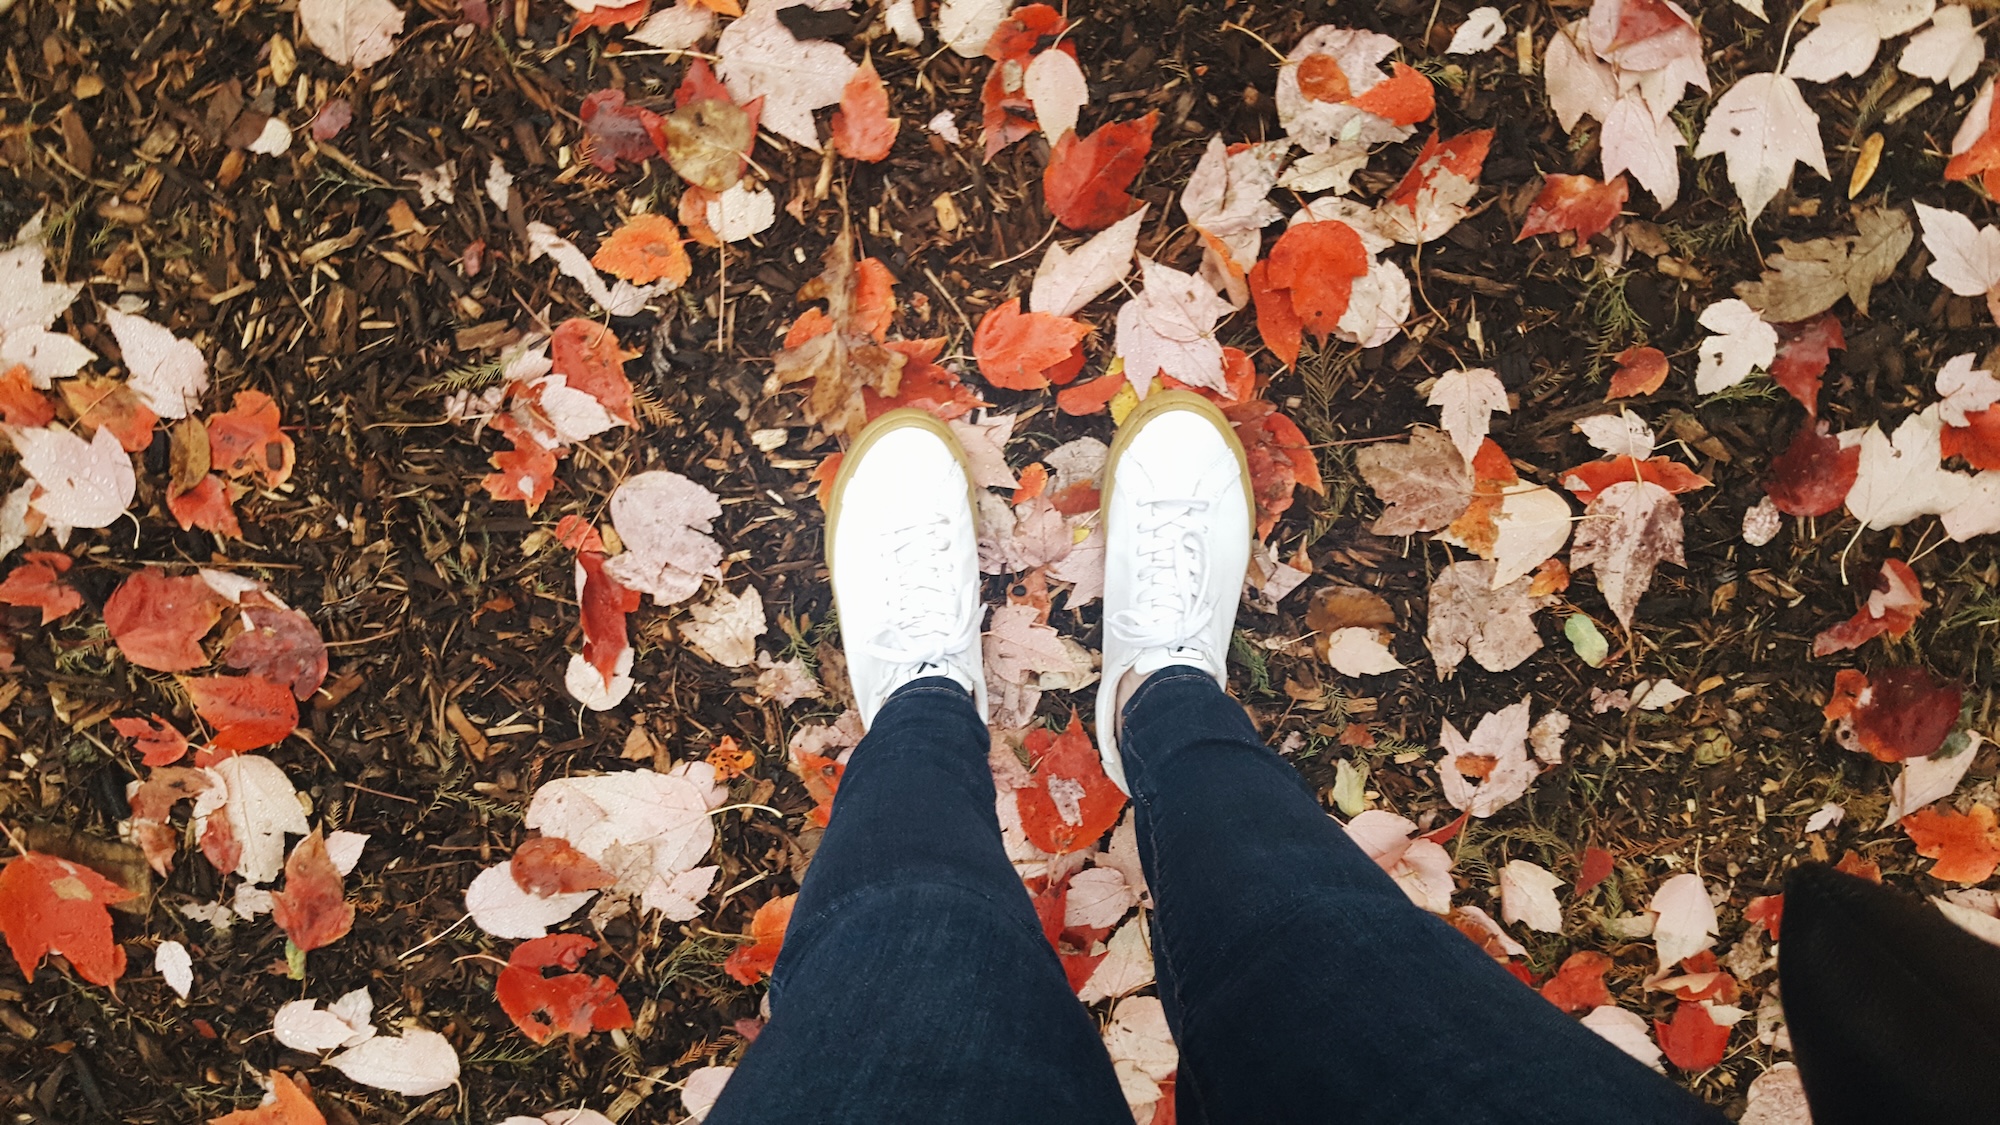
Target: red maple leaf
(1767, 911)
(208, 506)
(159, 742)
(752, 963)
(1463, 156)
(1814, 474)
(1892, 606)
(614, 131)
(1015, 350)
(279, 644)
(1091, 397)
(550, 865)
(1966, 845)
(1803, 355)
(1026, 32)
(1279, 457)
(1641, 371)
(1405, 99)
(245, 439)
(1692, 1041)
(821, 777)
(1071, 803)
(158, 620)
(312, 908)
(1897, 713)
(1315, 264)
(50, 905)
(862, 127)
(604, 603)
(925, 385)
(291, 1104)
(1596, 867)
(1578, 985)
(576, 1003)
(1086, 180)
(1574, 203)
(244, 712)
(526, 472)
(1589, 479)
(38, 582)
(1006, 113)
(1978, 441)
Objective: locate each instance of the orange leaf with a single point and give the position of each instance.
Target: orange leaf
(1278, 323)
(646, 249)
(549, 865)
(158, 621)
(1279, 457)
(1322, 80)
(1317, 263)
(246, 439)
(1641, 371)
(312, 908)
(821, 777)
(1767, 911)
(159, 742)
(588, 357)
(720, 7)
(290, 1104)
(1574, 203)
(21, 404)
(38, 582)
(925, 385)
(629, 15)
(1578, 985)
(1005, 116)
(1802, 358)
(752, 963)
(1026, 31)
(874, 299)
(1086, 180)
(824, 475)
(1067, 764)
(1978, 441)
(50, 905)
(862, 127)
(97, 401)
(730, 760)
(1983, 158)
(1814, 474)
(245, 712)
(206, 506)
(1593, 477)
(577, 1003)
(1897, 713)
(1463, 155)
(1014, 349)
(1405, 99)
(694, 214)
(1693, 1041)
(526, 473)
(1966, 845)
(1034, 481)
(1091, 397)
(578, 534)
(1894, 600)
(153, 801)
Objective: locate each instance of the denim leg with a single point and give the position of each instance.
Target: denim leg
(1303, 985)
(915, 984)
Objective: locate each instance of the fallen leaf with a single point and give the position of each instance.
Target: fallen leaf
(1949, 50)
(1624, 1030)
(1805, 278)
(280, 644)
(1071, 803)
(1418, 864)
(1684, 919)
(1067, 280)
(258, 807)
(1929, 778)
(312, 908)
(1899, 477)
(1482, 29)
(1489, 770)
(1966, 845)
(650, 830)
(1277, 452)
(50, 905)
(30, 305)
(1845, 43)
(100, 403)
(1778, 1096)
(726, 627)
(1763, 126)
(158, 621)
(862, 128)
(751, 963)
(501, 906)
(1312, 269)
(1587, 480)
(1574, 203)
(166, 372)
(1469, 616)
(1892, 606)
(1578, 985)
(413, 1064)
(1528, 894)
(1628, 530)
(37, 583)
(1424, 483)
(1815, 473)
(289, 1104)
(1141, 1049)
(1331, 87)
(1803, 356)
(1015, 350)
(83, 483)
(1086, 181)
(1169, 330)
(846, 356)
(1466, 401)
(1433, 196)
(966, 25)
(1641, 371)
(575, 1003)
(1692, 1041)
(159, 743)
(246, 440)
(647, 248)
(708, 136)
(353, 33)
(1055, 88)
(1742, 342)
(1897, 713)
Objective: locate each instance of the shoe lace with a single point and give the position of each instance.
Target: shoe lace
(1168, 607)
(933, 614)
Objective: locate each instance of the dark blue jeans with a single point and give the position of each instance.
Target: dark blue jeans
(1300, 983)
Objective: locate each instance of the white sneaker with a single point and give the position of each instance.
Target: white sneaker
(1177, 521)
(903, 554)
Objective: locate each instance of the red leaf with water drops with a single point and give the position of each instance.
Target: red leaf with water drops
(1814, 474)
(1086, 179)
(1071, 803)
(550, 865)
(312, 908)
(50, 905)
(1803, 356)
(21, 404)
(244, 712)
(1574, 203)
(158, 620)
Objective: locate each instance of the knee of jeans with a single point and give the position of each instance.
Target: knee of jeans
(951, 910)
